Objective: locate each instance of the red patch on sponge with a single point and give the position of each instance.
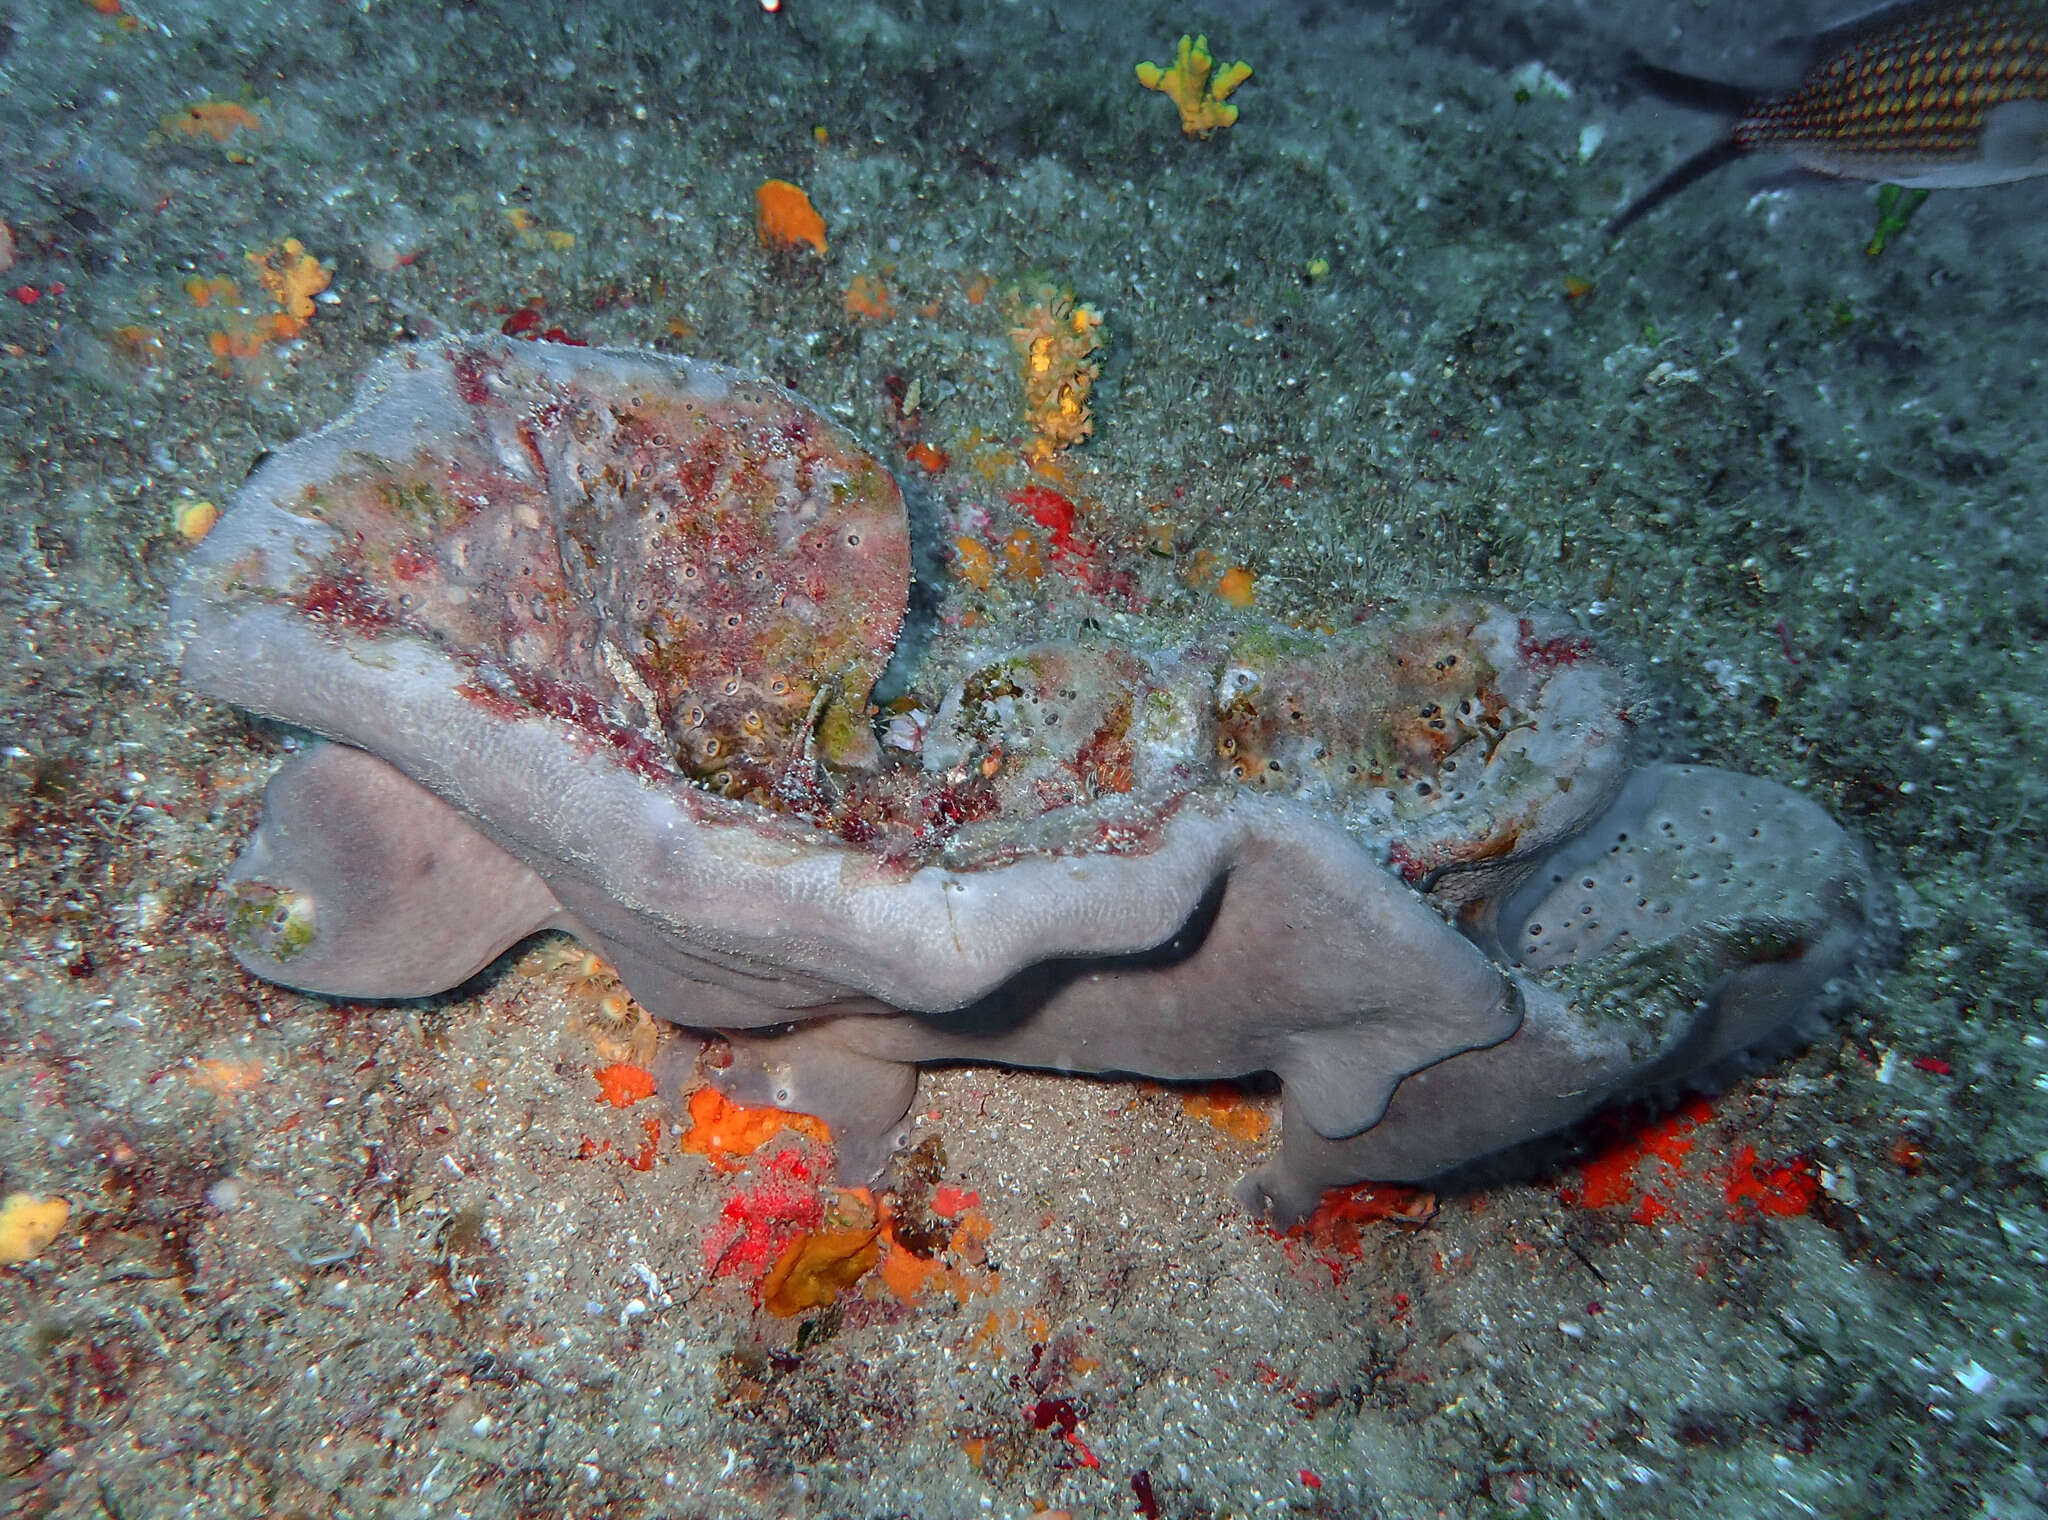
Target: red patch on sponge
(758, 1224)
(1781, 1188)
(1609, 1175)
(1075, 552)
(1335, 1233)
(1613, 1176)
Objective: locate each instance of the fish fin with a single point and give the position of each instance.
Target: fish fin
(1698, 167)
(1849, 29)
(1691, 89)
(1799, 179)
(2014, 144)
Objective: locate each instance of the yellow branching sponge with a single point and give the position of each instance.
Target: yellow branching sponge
(1061, 345)
(1189, 86)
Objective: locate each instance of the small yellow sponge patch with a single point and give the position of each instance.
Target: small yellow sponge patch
(1187, 83)
(28, 1224)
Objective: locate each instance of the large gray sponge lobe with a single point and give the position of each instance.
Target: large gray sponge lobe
(1681, 845)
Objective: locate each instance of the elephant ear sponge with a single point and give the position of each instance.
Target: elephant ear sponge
(1684, 847)
(593, 633)
(1703, 889)
(695, 562)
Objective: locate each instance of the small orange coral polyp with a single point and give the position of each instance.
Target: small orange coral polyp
(910, 1277)
(973, 563)
(1021, 559)
(292, 277)
(243, 345)
(226, 1078)
(906, 1275)
(784, 216)
(206, 292)
(1227, 1109)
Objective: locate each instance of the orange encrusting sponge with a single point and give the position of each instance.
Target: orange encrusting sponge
(784, 216)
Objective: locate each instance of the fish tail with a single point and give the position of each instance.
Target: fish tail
(1692, 90)
(1696, 168)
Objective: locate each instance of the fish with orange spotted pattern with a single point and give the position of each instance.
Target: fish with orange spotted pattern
(1928, 94)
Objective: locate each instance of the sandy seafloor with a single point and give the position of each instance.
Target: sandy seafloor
(325, 1259)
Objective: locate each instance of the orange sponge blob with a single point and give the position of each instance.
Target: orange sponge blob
(816, 1268)
(623, 1085)
(785, 216)
(721, 1129)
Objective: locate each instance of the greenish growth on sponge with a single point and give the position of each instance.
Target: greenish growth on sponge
(272, 921)
(1650, 988)
(1165, 716)
(846, 739)
(1264, 643)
